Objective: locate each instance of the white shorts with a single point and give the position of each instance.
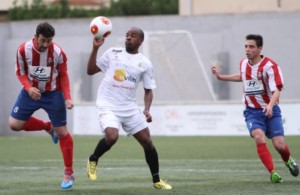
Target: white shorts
(131, 123)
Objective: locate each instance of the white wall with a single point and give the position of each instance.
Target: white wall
(213, 35)
(190, 120)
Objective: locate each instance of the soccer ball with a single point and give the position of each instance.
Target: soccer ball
(101, 27)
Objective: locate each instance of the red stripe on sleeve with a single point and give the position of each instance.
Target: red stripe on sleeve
(64, 80)
(277, 75)
(20, 59)
(63, 77)
(20, 54)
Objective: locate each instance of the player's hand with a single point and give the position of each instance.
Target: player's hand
(215, 71)
(148, 116)
(268, 110)
(69, 104)
(98, 42)
(34, 93)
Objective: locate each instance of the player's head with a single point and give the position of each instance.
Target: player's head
(134, 39)
(257, 38)
(43, 35)
(253, 46)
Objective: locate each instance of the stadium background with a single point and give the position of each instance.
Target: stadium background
(182, 49)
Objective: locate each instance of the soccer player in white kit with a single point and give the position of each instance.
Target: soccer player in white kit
(123, 69)
(263, 81)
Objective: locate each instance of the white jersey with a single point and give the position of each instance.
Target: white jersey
(122, 73)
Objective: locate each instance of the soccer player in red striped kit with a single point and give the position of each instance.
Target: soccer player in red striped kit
(41, 67)
(263, 81)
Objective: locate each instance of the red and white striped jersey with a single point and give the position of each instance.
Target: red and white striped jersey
(44, 70)
(260, 80)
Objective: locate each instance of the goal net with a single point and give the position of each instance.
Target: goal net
(178, 69)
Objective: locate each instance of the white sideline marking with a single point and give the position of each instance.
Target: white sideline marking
(127, 169)
(142, 160)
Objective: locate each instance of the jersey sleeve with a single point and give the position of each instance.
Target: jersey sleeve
(21, 70)
(103, 61)
(275, 78)
(147, 78)
(240, 69)
(64, 76)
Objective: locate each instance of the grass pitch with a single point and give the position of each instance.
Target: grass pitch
(192, 165)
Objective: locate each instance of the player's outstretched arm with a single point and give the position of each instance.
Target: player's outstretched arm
(92, 68)
(232, 77)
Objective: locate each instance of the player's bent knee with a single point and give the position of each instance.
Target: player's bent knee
(61, 131)
(280, 147)
(14, 124)
(111, 140)
(15, 127)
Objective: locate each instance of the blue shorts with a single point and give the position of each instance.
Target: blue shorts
(256, 118)
(52, 102)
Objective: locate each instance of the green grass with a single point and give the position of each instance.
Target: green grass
(193, 165)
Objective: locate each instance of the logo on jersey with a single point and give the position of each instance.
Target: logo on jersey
(117, 50)
(253, 87)
(39, 70)
(120, 75)
(251, 83)
(40, 73)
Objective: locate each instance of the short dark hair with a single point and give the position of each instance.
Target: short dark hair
(141, 33)
(257, 38)
(45, 29)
